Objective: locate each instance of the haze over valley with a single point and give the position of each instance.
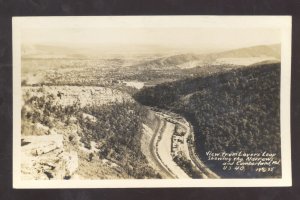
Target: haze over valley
(147, 103)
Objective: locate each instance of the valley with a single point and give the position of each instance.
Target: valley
(146, 117)
(229, 111)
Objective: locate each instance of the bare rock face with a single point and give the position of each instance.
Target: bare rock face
(44, 158)
(70, 162)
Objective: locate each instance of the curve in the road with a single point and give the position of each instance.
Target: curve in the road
(207, 173)
(152, 146)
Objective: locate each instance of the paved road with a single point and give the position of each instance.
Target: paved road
(153, 149)
(165, 146)
(164, 151)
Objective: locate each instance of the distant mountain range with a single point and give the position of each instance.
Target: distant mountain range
(51, 51)
(242, 56)
(94, 51)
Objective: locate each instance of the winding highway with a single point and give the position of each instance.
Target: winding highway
(154, 153)
(160, 147)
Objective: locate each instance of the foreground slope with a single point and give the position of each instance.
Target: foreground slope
(81, 133)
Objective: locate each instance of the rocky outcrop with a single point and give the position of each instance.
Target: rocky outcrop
(70, 164)
(44, 158)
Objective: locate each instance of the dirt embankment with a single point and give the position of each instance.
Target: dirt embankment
(148, 144)
(168, 141)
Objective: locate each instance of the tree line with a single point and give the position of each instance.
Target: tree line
(237, 110)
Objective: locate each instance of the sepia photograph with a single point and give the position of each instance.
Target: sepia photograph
(151, 101)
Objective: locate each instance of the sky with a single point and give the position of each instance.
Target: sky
(190, 38)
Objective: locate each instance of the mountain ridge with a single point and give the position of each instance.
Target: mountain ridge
(231, 111)
(258, 54)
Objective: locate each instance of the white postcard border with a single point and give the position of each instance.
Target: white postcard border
(281, 22)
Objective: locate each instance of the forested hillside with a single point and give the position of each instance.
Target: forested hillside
(237, 110)
(118, 131)
(101, 134)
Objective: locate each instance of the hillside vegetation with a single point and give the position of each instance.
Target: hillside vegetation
(237, 110)
(106, 136)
